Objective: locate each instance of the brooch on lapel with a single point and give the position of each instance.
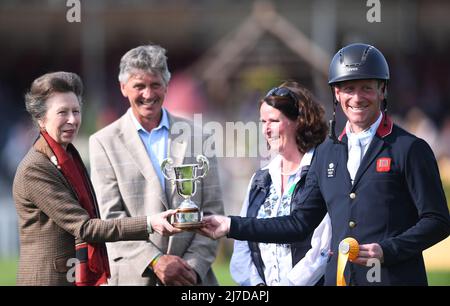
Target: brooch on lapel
(55, 161)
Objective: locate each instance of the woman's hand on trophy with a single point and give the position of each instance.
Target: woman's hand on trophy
(161, 225)
(215, 226)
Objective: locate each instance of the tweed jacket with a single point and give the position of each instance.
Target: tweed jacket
(126, 185)
(51, 221)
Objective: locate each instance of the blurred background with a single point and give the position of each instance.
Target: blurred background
(223, 55)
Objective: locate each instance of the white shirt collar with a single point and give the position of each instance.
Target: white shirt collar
(275, 165)
(365, 136)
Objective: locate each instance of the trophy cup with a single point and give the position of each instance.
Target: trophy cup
(188, 215)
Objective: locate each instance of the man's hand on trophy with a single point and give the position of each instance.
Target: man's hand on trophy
(215, 226)
(161, 225)
(173, 271)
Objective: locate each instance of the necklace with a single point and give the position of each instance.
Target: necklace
(288, 173)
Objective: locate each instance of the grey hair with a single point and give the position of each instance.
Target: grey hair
(149, 58)
(45, 86)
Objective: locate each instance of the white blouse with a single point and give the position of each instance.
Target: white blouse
(277, 258)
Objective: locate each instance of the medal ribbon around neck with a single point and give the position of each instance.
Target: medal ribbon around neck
(348, 250)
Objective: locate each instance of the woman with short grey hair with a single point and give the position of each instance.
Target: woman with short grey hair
(58, 215)
(47, 85)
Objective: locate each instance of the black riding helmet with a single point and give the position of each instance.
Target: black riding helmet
(357, 62)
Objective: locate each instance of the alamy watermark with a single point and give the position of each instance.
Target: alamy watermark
(72, 264)
(374, 13)
(229, 139)
(373, 275)
(74, 12)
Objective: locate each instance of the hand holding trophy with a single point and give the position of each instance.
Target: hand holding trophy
(188, 215)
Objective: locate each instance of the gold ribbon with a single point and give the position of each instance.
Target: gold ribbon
(348, 250)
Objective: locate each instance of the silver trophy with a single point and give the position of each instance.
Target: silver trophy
(188, 215)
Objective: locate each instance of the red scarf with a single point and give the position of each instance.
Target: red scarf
(93, 269)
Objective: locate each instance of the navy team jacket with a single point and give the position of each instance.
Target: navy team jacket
(397, 201)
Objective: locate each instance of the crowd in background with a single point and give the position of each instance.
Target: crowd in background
(419, 99)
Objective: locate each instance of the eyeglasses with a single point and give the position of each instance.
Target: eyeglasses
(283, 92)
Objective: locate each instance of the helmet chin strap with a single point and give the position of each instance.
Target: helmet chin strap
(332, 125)
(385, 104)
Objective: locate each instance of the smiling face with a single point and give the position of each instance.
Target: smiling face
(360, 100)
(63, 117)
(145, 92)
(278, 130)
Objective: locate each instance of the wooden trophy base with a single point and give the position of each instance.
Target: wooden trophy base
(188, 225)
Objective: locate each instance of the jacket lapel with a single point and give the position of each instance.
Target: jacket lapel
(375, 147)
(343, 155)
(133, 143)
(41, 146)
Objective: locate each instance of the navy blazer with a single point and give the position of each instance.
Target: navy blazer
(397, 201)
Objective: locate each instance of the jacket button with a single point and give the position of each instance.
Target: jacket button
(352, 224)
(352, 195)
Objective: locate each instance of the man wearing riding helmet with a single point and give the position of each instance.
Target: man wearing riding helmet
(379, 184)
(395, 206)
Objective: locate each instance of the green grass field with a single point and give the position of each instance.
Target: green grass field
(8, 269)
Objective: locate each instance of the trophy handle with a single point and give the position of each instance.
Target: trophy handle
(204, 165)
(166, 165)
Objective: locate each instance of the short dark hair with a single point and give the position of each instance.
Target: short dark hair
(45, 86)
(307, 112)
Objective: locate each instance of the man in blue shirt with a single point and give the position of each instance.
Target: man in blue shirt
(125, 161)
